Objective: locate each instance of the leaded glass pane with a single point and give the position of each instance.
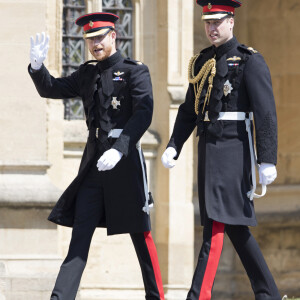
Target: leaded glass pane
(122, 8)
(73, 48)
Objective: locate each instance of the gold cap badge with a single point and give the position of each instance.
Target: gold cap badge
(91, 24)
(209, 6)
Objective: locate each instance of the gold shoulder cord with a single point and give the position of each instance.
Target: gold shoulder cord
(208, 67)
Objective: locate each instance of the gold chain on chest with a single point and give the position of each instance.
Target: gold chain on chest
(198, 81)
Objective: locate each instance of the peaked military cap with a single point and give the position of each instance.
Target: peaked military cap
(218, 9)
(98, 23)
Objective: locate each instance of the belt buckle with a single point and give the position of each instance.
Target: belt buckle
(97, 132)
(206, 118)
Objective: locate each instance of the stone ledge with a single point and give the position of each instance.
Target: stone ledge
(175, 292)
(27, 190)
(280, 205)
(285, 219)
(75, 137)
(112, 294)
(150, 140)
(26, 183)
(25, 257)
(177, 93)
(76, 133)
(24, 166)
(22, 287)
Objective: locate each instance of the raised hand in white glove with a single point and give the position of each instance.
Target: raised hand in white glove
(267, 173)
(109, 159)
(168, 157)
(38, 51)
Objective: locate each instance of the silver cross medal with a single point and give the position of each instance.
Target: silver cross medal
(115, 103)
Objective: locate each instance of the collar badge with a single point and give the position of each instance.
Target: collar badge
(252, 50)
(118, 76)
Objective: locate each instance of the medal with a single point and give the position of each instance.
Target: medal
(118, 76)
(227, 88)
(115, 103)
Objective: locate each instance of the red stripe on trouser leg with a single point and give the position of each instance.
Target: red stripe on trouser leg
(154, 260)
(216, 246)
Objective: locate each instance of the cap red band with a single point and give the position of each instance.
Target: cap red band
(97, 24)
(218, 8)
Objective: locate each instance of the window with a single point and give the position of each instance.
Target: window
(123, 9)
(73, 49)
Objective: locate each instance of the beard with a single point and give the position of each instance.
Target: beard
(102, 52)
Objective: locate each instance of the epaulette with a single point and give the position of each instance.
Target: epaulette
(248, 50)
(134, 62)
(90, 62)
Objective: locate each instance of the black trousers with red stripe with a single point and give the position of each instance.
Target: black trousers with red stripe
(261, 279)
(89, 210)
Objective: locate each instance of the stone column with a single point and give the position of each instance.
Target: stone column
(28, 253)
(174, 220)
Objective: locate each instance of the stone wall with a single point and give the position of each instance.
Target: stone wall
(28, 253)
(40, 154)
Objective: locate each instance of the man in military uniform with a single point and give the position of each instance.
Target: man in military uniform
(229, 84)
(110, 189)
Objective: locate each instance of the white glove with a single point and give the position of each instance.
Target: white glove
(109, 159)
(267, 173)
(168, 157)
(38, 50)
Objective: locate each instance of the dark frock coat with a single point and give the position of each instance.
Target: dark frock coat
(97, 84)
(224, 165)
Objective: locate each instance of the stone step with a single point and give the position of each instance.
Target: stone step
(24, 287)
(111, 294)
(29, 265)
